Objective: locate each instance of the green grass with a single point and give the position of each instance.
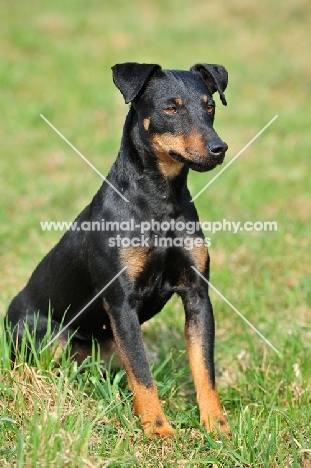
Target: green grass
(55, 60)
(63, 415)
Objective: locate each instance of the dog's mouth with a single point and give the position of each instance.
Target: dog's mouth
(198, 162)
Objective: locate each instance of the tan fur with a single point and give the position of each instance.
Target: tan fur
(211, 415)
(194, 144)
(146, 400)
(135, 259)
(168, 166)
(146, 123)
(190, 147)
(200, 256)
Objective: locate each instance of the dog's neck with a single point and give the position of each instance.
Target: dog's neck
(143, 170)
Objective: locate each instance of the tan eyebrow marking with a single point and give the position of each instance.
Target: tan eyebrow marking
(179, 101)
(146, 123)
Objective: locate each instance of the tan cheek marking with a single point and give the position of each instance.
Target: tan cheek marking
(211, 415)
(162, 144)
(179, 102)
(200, 256)
(190, 147)
(146, 123)
(181, 144)
(194, 143)
(169, 142)
(205, 98)
(135, 258)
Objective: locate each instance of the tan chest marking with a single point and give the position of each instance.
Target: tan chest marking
(135, 258)
(199, 256)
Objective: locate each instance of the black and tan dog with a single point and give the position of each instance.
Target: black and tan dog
(168, 130)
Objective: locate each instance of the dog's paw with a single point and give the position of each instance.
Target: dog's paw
(216, 424)
(157, 426)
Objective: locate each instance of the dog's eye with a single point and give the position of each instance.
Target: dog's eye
(210, 109)
(171, 110)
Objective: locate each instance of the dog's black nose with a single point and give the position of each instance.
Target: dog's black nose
(217, 147)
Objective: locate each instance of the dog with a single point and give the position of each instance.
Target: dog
(168, 130)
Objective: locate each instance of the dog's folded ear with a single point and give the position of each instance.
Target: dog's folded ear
(214, 76)
(130, 77)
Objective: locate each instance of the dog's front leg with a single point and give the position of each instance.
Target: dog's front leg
(200, 336)
(127, 334)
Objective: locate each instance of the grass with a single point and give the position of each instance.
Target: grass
(55, 60)
(65, 415)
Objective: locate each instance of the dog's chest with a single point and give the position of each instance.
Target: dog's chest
(149, 268)
(155, 275)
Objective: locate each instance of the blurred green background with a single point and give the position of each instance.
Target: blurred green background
(56, 59)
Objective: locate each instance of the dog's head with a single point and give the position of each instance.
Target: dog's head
(176, 112)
